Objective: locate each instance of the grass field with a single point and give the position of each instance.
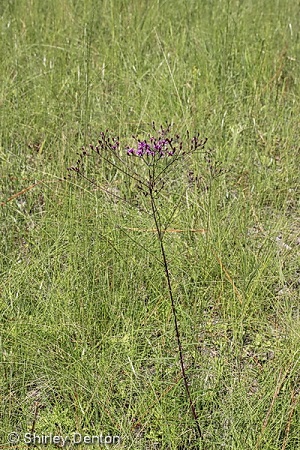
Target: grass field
(88, 344)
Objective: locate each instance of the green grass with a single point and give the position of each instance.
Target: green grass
(87, 337)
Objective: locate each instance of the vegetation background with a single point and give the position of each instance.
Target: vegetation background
(87, 338)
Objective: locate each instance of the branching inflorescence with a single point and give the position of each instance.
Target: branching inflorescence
(157, 154)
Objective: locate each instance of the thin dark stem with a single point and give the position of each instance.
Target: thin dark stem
(134, 176)
(140, 245)
(112, 194)
(160, 235)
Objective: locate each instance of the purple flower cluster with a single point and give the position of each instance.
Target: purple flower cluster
(160, 144)
(155, 147)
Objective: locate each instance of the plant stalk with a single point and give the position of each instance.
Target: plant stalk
(174, 311)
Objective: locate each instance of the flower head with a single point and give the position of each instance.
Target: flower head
(155, 147)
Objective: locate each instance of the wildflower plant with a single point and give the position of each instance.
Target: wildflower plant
(151, 166)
